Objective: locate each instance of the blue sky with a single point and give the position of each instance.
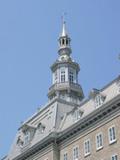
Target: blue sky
(29, 31)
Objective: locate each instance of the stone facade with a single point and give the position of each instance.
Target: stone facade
(70, 127)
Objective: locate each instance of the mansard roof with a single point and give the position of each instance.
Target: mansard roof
(57, 117)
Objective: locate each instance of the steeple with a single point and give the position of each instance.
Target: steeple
(64, 32)
(65, 72)
(64, 42)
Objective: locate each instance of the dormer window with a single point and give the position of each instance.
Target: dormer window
(99, 100)
(97, 96)
(20, 141)
(28, 133)
(77, 115)
(26, 137)
(41, 128)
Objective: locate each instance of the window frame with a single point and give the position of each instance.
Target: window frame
(98, 100)
(27, 137)
(65, 156)
(111, 141)
(62, 75)
(74, 156)
(77, 115)
(87, 151)
(71, 76)
(98, 146)
(114, 157)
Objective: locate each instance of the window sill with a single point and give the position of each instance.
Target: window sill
(97, 149)
(87, 154)
(112, 142)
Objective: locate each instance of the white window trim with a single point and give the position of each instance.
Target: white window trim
(64, 154)
(77, 115)
(113, 141)
(98, 100)
(77, 146)
(114, 156)
(27, 137)
(87, 154)
(98, 148)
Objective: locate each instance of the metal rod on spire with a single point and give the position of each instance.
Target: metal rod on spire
(63, 17)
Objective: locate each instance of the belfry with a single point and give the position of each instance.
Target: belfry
(65, 72)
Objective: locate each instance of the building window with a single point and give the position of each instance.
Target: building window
(71, 77)
(62, 75)
(26, 137)
(87, 147)
(99, 99)
(77, 115)
(65, 156)
(41, 128)
(114, 157)
(56, 77)
(63, 41)
(112, 134)
(99, 141)
(75, 153)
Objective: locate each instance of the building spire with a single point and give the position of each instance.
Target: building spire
(64, 32)
(64, 40)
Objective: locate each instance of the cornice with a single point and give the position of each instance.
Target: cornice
(59, 63)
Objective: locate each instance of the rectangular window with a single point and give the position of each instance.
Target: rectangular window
(62, 75)
(76, 115)
(112, 134)
(26, 137)
(87, 147)
(56, 77)
(114, 157)
(75, 153)
(99, 141)
(65, 157)
(98, 101)
(71, 77)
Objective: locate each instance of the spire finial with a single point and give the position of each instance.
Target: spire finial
(64, 33)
